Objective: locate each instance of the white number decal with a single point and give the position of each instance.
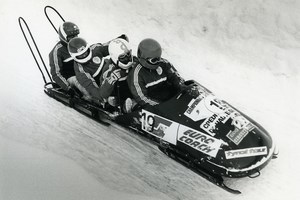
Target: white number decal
(148, 122)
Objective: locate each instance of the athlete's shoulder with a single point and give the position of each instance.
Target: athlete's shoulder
(96, 46)
(99, 50)
(166, 62)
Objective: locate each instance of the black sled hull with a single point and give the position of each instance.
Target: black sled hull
(213, 154)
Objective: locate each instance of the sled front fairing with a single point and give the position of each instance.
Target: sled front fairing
(220, 138)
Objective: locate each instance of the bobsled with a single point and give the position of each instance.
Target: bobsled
(204, 133)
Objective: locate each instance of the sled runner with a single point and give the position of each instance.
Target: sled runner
(206, 134)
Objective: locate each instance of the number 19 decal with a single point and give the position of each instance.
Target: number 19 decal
(148, 122)
(159, 126)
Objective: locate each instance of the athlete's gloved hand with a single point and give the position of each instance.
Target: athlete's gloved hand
(112, 100)
(124, 36)
(116, 75)
(192, 90)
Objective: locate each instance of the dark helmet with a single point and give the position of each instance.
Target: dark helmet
(67, 31)
(149, 53)
(79, 50)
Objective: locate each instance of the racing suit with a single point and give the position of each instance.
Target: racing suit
(150, 87)
(113, 82)
(61, 65)
(88, 74)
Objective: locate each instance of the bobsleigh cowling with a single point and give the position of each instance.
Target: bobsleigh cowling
(207, 132)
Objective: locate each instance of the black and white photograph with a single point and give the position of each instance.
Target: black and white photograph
(150, 100)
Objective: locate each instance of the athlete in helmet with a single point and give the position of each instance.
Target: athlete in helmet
(67, 31)
(93, 71)
(120, 53)
(113, 78)
(149, 53)
(153, 79)
(60, 61)
(79, 50)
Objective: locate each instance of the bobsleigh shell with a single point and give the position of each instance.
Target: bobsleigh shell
(231, 143)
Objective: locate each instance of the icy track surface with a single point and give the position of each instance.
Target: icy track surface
(246, 52)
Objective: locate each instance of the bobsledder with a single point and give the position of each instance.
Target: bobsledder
(205, 134)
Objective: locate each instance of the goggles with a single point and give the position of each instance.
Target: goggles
(125, 57)
(84, 55)
(153, 61)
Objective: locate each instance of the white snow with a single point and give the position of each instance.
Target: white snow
(246, 52)
(30, 173)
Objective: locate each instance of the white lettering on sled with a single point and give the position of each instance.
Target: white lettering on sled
(240, 153)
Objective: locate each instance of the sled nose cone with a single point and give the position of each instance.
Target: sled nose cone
(251, 155)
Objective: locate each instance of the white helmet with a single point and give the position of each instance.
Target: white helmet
(79, 50)
(120, 53)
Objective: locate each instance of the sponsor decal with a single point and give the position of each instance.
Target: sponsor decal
(235, 130)
(159, 127)
(203, 106)
(240, 153)
(199, 141)
(192, 106)
(238, 134)
(209, 124)
(96, 60)
(159, 70)
(214, 105)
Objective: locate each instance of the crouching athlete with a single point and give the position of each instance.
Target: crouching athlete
(153, 79)
(98, 73)
(61, 63)
(113, 80)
